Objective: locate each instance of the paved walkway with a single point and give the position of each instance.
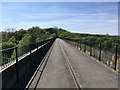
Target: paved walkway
(89, 73)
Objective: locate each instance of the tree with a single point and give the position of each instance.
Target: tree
(7, 53)
(6, 45)
(10, 29)
(20, 34)
(13, 40)
(25, 40)
(23, 46)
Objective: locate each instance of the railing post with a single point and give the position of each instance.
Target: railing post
(84, 48)
(90, 50)
(37, 44)
(79, 44)
(76, 43)
(42, 43)
(37, 53)
(100, 52)
(42, 48)
(116, 51)
(73, 42)
(17, 72)
(30, 54)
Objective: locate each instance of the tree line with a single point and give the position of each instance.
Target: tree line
(35, 33)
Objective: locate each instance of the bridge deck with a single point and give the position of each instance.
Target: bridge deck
(89, 73)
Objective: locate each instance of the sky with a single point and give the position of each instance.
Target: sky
(80, 17)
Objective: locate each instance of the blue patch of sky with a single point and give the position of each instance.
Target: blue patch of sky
(85, 17)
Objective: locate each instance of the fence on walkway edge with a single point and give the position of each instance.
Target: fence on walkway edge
(111, 59)
(9, 55)
(20, 60)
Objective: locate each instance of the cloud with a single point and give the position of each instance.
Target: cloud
(80, 17)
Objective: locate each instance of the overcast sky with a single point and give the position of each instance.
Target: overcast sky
(81, 17)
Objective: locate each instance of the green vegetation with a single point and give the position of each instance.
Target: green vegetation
(108, 42)
(35, 34)
(22, 37)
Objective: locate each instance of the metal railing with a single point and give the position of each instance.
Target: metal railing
(10, 55)
(109, 58)
(22, 60)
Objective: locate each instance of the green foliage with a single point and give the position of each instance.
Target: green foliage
(7, 53)
(13, 40)
(22, 49)
(5, 37)
(20, 34)
(25, 40)
(37, 39)
(8, 45)
(108, 42)
(35, 34)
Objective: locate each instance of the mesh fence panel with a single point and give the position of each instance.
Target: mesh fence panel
(7, 57)
(95, 52)
(23, 49)
(34, 45)
(82, 47)
(108, 58)
(88, 49)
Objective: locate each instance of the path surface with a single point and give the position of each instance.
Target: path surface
(89, 73)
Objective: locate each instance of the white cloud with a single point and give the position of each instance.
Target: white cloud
(74, 20)
(78, 22)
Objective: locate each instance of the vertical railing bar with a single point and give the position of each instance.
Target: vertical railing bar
(90, 50)
(116, 51)
(79, 44)
(30, 54)
(84, 48)
(37, 51)
(100, 52)
(17, 72)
